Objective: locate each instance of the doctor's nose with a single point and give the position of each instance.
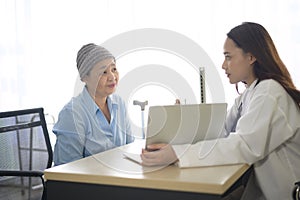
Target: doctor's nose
(224, 66)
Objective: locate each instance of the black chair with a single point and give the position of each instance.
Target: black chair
(25, 149)
(296, 192)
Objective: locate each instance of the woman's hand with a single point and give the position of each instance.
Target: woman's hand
(158, 154)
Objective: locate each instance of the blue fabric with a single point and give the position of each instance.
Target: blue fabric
(82, 129)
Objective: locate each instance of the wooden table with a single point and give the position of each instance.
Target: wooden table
(110, 174)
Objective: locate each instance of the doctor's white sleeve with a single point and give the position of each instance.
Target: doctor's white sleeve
(258, 132)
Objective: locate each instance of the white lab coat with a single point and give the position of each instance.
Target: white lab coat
(266, 135)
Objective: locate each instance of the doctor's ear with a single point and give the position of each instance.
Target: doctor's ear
(251, 58)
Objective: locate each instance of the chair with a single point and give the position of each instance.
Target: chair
(296, 192)
(25, 149)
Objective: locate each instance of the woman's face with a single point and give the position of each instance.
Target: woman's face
(238, 65)
(103, 78)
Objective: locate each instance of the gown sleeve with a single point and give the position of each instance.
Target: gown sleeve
(69, 143)
(259, 131)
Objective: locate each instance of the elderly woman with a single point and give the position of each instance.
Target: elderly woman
(96, 120)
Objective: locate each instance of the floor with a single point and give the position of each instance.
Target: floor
(10, 190)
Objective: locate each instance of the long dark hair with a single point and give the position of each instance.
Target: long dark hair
(254, 38)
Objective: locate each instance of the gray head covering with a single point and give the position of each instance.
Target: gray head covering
(88, 56)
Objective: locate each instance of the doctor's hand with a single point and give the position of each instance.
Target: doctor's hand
(158, 154)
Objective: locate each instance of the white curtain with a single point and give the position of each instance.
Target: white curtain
(14, 52)
(40, 38)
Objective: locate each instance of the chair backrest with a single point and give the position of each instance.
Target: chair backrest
(24, 140)
(296, 192)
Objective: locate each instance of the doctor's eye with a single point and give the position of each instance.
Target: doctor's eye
(227, 57)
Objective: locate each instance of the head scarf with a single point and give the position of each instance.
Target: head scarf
(88, 56)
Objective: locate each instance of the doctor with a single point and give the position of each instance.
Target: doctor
(265, 120)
